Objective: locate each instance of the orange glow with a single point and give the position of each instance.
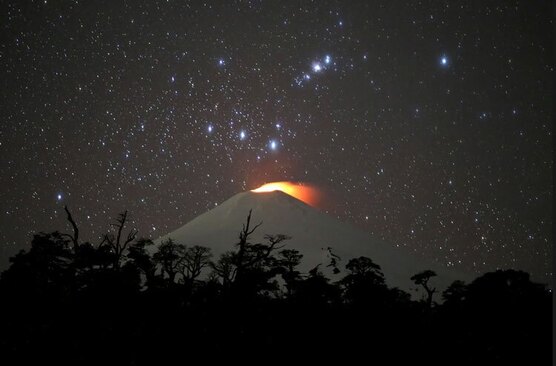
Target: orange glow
(302, 192)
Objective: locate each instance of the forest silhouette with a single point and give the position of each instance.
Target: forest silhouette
(126, 301)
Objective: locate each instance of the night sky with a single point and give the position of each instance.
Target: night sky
(426, 123)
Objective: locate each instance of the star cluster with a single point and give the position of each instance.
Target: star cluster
(426, 123)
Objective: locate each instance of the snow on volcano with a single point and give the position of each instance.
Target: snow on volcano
(313, 233)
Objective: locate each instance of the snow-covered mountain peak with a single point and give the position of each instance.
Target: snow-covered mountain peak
(313, 233)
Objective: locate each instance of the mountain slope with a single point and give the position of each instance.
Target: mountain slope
(312, 233)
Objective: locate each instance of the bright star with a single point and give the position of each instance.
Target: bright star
(327, 59)
(317, 67)
(209, 128)
(59, 197)
(221, 62)
(444, 60)
(242, 135)
(273, 145)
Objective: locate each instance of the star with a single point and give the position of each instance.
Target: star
(444, 61)
(317, 67)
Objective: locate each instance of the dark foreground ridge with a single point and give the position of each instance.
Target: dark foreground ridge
(70, 302)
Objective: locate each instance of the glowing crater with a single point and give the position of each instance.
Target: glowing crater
(302, 192)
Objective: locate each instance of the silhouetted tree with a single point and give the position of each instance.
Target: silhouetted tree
(75, 237)
(316, 290)
(365, 267)
(364, 282)
(252, 265)
(44, 269)
(138, 254)
(244, 245)
(250, 255)
(501, 318)
(288, 260)
(169, 256)
(455, 294)
(115, 243)
(422, 279)
(504, 286)
(225, 268)
(192, 262)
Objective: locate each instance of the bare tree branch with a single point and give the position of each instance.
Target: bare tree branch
(75, 236)
(193, 261)
(115, 243)
(130, 237)
(121, 223)
(104, 240)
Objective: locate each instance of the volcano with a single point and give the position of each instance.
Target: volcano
(316, 235)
